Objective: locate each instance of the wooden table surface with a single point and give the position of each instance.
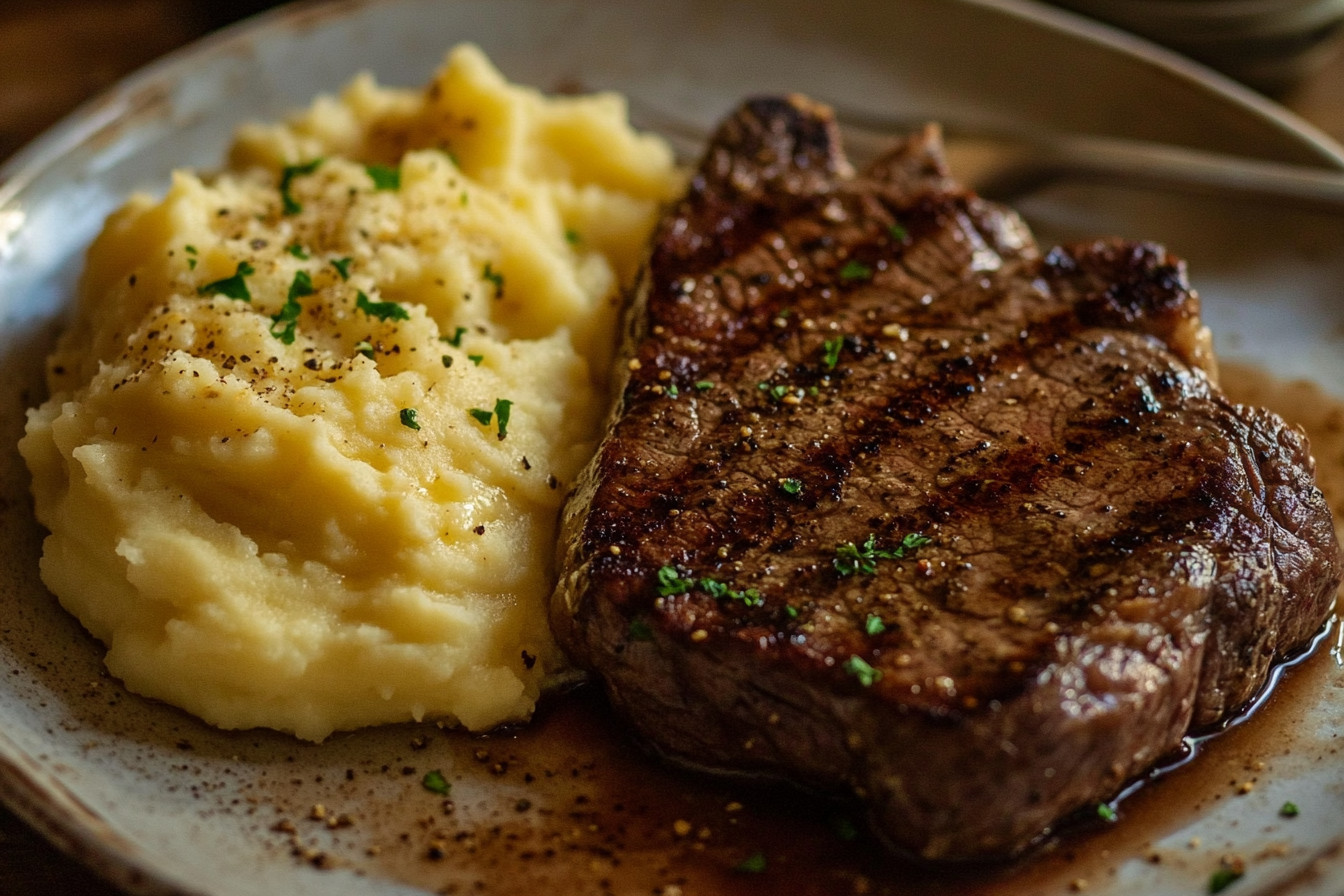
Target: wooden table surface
(56, 53)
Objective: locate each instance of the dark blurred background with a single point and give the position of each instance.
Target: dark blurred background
(56, 53)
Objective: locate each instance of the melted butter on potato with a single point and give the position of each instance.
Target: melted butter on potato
(313, 418)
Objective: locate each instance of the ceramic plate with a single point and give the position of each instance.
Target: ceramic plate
(159, 803)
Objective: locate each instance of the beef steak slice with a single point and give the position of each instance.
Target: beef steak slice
(895, 504)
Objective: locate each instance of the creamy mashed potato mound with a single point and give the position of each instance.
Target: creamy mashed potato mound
(314, 416)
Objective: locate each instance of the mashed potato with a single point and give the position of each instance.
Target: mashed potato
(312, 421)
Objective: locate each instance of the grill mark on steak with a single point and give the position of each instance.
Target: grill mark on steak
(1117, 552)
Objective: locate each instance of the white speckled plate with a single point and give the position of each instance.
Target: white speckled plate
(158, 803)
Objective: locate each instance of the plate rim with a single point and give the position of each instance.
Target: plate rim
(35, 794)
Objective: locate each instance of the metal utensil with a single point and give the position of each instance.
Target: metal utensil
(1008, 164)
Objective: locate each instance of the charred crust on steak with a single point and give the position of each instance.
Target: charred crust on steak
(821, 365)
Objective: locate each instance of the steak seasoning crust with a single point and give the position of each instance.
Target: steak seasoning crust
(895, 505)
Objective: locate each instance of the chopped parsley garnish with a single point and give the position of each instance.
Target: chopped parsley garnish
(640, 631)
(850, 559)
(859, 668)
(410, 418)
(364, 347)
(830, 355)
(572, 236)
(435, 782)
(792, 487)
(752, 864)
(297, 251)
(502, 408)
(284, 323)
(874, 625)
(455, 340)
(191, 259)
(342, 266)
(234, 287)
(671, 581)
(1227, 874)
(481, 415)
(1289, 810)
(290, 205)
(718, 590)
(703, 386)
(1106, 812)
(855, 270)
(494, 278)
(476, 359)
(380, 310)
(672, 391)
(384, 177)
(898, 232)
(775, 392)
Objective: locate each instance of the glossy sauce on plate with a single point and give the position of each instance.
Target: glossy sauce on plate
(573, 802)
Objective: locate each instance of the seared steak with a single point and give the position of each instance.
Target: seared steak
(897, 504)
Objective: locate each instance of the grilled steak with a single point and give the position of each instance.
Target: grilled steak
(896, 504)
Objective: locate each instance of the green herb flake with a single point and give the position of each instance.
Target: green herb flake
(300, 286)
(720, 591)
(191, 257)
(749, 597)
(285, 322)
(342, 266)
(1227, 874)
(672, 391)
(1106, 812)
(640, 631)
(791, 611)
(830, 355)
(435, 782)
(703, 386)
(455, 340)
(410, 418)
(503, 407)
(855, 270)
(752, 864)
(476, 359)
(898, 232)
(494, 278)
(364, 347)
(850, 559)
(791, 487)
(481, 415)
(670, 581)
(234, 287)
(289, 204)
(1289, 810)
(384, 177)
(297, 251)
(859, 668)
(874, 625)
(380, 310)
(572, 236)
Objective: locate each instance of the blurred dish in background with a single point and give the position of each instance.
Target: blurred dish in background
(1268, 44)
